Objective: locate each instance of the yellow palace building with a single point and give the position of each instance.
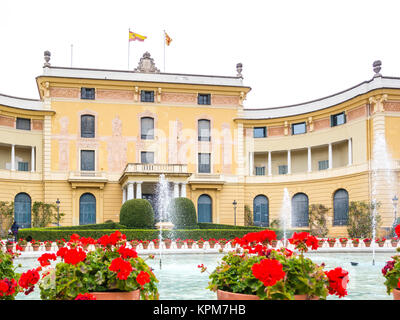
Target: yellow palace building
(96, 138)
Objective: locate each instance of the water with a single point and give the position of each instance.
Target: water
(383, 180)
(181, 279)
(286, 213)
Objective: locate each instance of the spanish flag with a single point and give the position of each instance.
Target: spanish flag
(167, 39)
(135, 36)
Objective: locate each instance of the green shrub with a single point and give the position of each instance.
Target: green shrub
(183, 213)
(360, 219)
(106, 225)
(137, 213)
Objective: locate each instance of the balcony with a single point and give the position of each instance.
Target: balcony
(151, 168)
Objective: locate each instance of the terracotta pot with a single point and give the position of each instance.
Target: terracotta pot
(35, 247)
(305, 297)
(48, 248)
(167, 244)
(23, 248)
(394, 243)
(396, 294)
(212, 245)
(225, 295)
(190, 245)
(320, 244)
(344, 244)
(117, 295)
(200, 245)
(274, 244)
(331, 244)
(355, 245)
(145, 245)
(367, 244)
(156, 245)
(381, 244)
(179, 245)
(9, 247)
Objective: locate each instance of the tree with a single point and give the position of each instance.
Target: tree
(248, 218)
(6, 217)
(183, 213)
(317, 216)
(360, 219)
(44, 214)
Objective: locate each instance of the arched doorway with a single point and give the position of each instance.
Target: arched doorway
(87, 209)
(204, 208)
(300, 210)
(22, 210)
(340, 207)
(261, 211)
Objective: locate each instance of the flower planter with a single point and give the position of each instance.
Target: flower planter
(274, 243)
(179, 245)
(117, 295)
(167, 244)
(9, 247)
(22, 248)
(48, 248)
(200, 245)
(344, 244)
(320, 244)
(355, 245)
(145, 245)
(305, 297)
(394, 243)
(331, 244)
(367, 244)
(212, 245)
(381, 244)
(156, 245)
(225, 295)
(190, 245)
(35, 247)
(396, 294)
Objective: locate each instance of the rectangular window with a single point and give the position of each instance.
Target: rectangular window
(204, 98)
(147, 157)
(299, 128)
(87, 93)
(146, 96)
(204, 163)
(260, 171)
(204, 130)
(283, 169)
(23, 124)
(87, 126)
(260, 132)
(323, 165)
(23, 166)
(147, 128)
(87, 160)
(338, 119)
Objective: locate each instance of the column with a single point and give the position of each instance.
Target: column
(269, 164)
(13, 157)
(289, 162)
(183, 189)
(33, 159)
(309, 159)
(139, 189)
(350, 152)
(130, 195)
(176, 190)
(330, 156)
(251, 163)
(123, 195)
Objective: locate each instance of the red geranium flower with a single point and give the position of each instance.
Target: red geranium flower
(45, 257)
(74, 256)
(127, 252)
(397, 230)
(7, 287)
(28, 280)
(302, 240)
(143, 278)
(268, 271)
(337, 281)
(122, 267)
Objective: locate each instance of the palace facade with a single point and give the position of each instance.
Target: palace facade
(96, 138)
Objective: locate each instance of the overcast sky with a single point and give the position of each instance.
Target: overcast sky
(292, 51)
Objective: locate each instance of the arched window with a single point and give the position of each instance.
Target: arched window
(261, 211)
(204, 129)
(147, 128)
(340, 207)
(22, 210)
(87, 209)
(204, 208)
(300, 210)
(87, 126)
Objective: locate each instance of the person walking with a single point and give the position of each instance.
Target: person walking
(14, 230)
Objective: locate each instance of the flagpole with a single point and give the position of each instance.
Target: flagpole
(164, 50)
(129, 45)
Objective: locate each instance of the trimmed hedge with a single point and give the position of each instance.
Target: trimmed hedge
(183, 213)
(101, 226)
(137, 213)
(43, 234)
(209, 225)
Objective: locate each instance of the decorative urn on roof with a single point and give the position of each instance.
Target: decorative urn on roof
(146, 64)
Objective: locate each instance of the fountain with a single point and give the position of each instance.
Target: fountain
(383, 179)
(163, 199)
(285, 214)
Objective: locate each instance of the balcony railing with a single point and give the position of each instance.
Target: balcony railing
(155, 168)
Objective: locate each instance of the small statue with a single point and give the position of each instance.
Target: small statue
(47, 56)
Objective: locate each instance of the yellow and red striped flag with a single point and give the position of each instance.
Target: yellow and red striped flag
(167, 39)
(135, 36)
